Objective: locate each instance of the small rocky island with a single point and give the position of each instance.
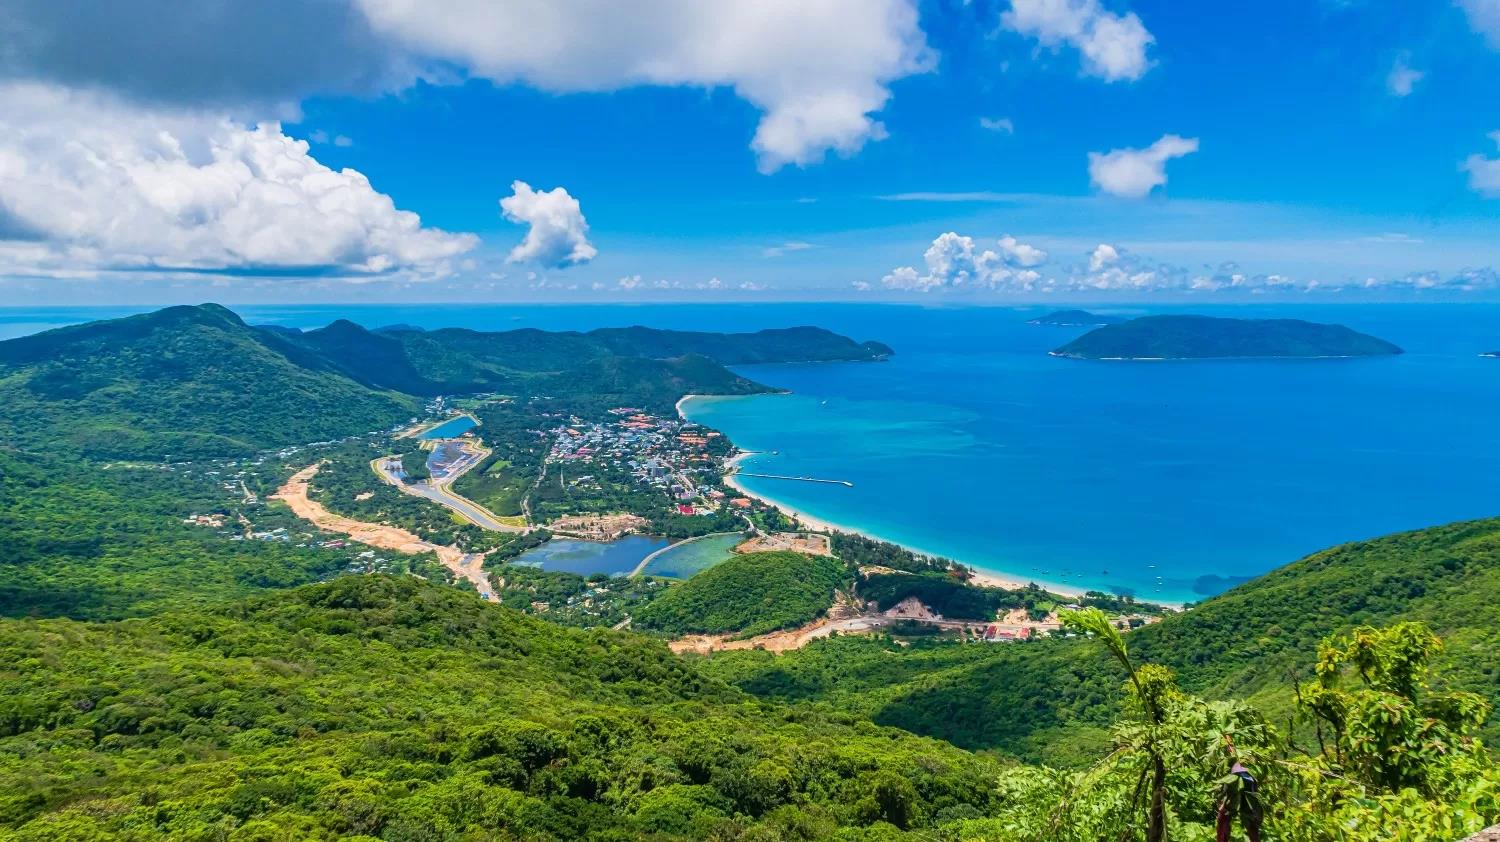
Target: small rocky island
(1207, 337)
(1075, 318)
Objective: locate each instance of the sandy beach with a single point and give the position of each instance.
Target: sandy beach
(817, 524)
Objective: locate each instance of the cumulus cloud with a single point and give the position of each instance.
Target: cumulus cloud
(955, 264)
(558, 236)
(955, 261)
(818, 71)
(1134, 173)
(1484, 173)
(1484, 16)
(1402, 79)
(1114, 47)
(89, 182)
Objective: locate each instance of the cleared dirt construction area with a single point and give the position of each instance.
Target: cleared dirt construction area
(807, 543)
(394, 538)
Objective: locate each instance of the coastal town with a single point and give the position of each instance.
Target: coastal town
(679, 459)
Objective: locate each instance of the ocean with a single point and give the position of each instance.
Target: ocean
(1168, 480)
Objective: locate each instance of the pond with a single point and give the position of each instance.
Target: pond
(689, 558)
(617, 558)
(451, 428)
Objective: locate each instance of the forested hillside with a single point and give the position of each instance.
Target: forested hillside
(183, 382)
(189, 382)
(381, 707)
(1051, 699)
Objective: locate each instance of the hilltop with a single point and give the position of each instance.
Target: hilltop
(180, 382)
(1205, 337)
(1074, 318)
(185, 381)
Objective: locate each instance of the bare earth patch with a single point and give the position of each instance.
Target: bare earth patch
(807, 543)
(294, 494)
(598, 527)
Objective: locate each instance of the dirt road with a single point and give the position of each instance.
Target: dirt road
(394, 538)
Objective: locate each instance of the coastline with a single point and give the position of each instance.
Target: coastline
(993, 579)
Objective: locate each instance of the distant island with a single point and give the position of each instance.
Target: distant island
(1207, 337)
(1075, 318)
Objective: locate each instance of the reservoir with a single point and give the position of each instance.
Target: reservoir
(688, 558)
(616, 558)
(451, 428)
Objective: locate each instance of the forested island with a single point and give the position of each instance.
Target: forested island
(1075, 318)
(1209, 337)
(184, 657)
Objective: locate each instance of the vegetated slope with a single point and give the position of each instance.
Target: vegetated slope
(1187, 337)
(1075, 318)
(93, 542)
(453, 360)
(748, 594)
(1049, 700)
(795, 344)
(187, 382)
(179, 382)
(391, 708)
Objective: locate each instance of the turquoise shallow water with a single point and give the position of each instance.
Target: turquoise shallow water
(689, 558)
(973, 443)
(586, 558)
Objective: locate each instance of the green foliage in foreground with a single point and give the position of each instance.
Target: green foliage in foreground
(1399, 761)
(395, 709)
(1053, 699)
(748, 595)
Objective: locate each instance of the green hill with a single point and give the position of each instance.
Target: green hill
(748, 595)
(1202, 337)
(455, 360)
(1050, 700)
(180, 382)
(186, 382)
(376, 707)
(1075, 318)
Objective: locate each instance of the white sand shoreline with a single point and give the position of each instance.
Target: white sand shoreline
(987, 578)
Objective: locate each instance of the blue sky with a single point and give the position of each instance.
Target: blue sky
(1304, 148)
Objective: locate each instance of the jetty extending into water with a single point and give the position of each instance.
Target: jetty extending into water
(843, 482)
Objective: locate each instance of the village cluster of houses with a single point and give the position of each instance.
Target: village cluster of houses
(666, 454)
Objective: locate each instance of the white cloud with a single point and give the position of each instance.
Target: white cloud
(954, 261)
(1102, 256)
(89, 182)
(1114, 46)
(1402, 79)
(1484, 16)
(558, 237)
(1002, 125)
(1016, 253)
(785, 248)
(1484, 173)
(1134, 173)
(955, 264)
(817, 70)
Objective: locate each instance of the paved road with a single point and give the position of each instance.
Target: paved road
(439, 493)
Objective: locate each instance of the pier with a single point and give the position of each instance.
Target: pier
(843, 482)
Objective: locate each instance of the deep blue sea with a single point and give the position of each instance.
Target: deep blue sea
(1169, 480)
